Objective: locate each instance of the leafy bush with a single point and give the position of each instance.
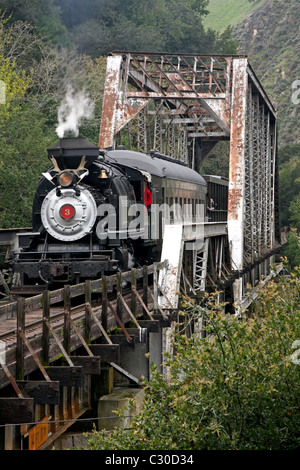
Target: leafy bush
(236, 389)
(292, 250)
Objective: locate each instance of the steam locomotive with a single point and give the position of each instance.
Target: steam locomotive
(97, 212)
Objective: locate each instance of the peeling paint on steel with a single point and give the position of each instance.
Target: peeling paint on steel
(111, 92)
(205, 82)
(236, 188)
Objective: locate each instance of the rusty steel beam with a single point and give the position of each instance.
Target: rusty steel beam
(188, 87)
(117, 111)
(253, 215)
(236, 188)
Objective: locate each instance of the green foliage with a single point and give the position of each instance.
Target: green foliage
(230, 12)
(158, 25)
(292, 250)
(43, 14)
(23, 140)
(289, 177)
(16, 85)
(286, 152)
(269, 36)
(16, 81)
(295, 212)
(236, 389)
(217, 162)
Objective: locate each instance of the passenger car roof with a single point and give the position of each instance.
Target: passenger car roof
(161, 166)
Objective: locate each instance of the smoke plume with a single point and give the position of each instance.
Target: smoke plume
(74, 107)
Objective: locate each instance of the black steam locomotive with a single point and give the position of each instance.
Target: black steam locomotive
(97, 212)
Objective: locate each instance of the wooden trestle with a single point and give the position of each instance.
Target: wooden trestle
(52, 343)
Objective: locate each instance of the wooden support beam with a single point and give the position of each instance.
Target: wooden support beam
(67, 376)
(164, 322)
(99, 324)
(122, 340)
(79, 334)
(145, 289)
(158, 307)
(35, 357)
(43, 392)
(164, 295)
(129, 339)
(20, 343)
(107, 352)
(45, 337)
(104, 303)
(142, 302)
(125, 373)
(151, 325)
(119, 291)
(140, 334)
(133, 297)
(90, 365)
(12, 380)
(130, 313)
(88, 300)
(67, 309)
(64, 352)
(16, 410)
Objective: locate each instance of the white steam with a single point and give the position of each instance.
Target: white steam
(74, 107)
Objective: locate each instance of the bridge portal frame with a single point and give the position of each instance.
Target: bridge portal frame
(185, 104)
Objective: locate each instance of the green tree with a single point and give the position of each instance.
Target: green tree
(156, 25)
(289, 176)
(292, 250)
(16, 82)
(24, 140)
(295, 212)
(45, 15)
(237, 388)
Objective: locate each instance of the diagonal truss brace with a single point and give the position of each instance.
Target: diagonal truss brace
(189, 88)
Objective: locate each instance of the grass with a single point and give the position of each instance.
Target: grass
(228, 12)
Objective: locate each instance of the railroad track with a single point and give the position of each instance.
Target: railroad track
(34, 327)
(34, 320)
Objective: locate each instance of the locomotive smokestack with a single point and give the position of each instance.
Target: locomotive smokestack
(68, 152)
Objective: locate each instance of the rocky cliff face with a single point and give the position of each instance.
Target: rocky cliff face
(270, 36)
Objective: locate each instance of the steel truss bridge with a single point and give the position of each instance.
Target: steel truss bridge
(182, 105)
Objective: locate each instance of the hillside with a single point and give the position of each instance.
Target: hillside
(268, 32)
(223, 13)
(270, 37)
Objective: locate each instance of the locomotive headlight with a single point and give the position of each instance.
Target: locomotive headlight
(65, 179)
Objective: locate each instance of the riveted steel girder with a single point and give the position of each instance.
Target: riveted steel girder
(193, 93)
(253, 213)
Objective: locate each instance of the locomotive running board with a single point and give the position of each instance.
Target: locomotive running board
(169, 278)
